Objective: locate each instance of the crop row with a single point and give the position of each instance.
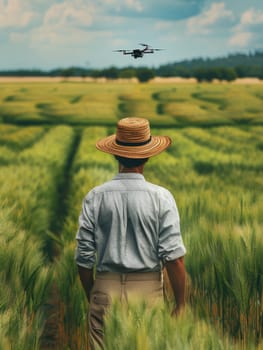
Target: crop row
(28, 190)
(102, 104)
(13, 139)
(20, 137)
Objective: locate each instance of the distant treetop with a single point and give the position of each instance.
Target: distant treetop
(228, 68)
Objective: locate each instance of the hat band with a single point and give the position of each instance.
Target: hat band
(121, 143)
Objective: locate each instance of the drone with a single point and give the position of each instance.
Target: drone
(136, 53)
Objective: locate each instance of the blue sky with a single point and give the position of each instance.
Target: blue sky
(60, 33)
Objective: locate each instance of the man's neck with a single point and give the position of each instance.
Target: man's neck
(138, 169)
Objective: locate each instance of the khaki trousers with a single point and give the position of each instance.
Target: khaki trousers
(123, 287)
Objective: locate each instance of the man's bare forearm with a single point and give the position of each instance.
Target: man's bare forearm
(177, 276)
(86, 278)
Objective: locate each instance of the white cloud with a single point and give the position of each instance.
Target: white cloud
(15, 13)
(134, 5)
(67, 25)
(249, 30)
(252, 17)
(117, 6)
(74, 13)
(58, 36)
(62, 24)
(203, 22)
(240, 39)
(48, 38)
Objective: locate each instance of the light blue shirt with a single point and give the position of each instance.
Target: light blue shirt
(127, 225)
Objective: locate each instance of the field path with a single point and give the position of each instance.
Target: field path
(52, 337)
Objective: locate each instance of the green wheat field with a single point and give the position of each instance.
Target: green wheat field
(214, 168)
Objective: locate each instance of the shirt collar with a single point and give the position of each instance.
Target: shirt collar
(129, 176)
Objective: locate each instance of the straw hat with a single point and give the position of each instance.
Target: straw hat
(133, 139)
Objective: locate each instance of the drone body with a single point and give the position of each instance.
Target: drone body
(138, 53)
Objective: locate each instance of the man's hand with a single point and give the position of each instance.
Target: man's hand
(176, 274)
(86, 278)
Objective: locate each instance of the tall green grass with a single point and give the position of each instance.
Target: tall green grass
(136, 327)
(215, 175)
(218, 189)
(226, 278)
(28, 191)
(25, 282)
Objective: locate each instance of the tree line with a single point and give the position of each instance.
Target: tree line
(203, 69)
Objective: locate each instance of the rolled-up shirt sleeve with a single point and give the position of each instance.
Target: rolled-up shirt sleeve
(170, 244)
(85, 254)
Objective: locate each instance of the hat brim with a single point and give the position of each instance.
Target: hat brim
(156, 145)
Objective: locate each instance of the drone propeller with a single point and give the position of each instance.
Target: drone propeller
(148, 47)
